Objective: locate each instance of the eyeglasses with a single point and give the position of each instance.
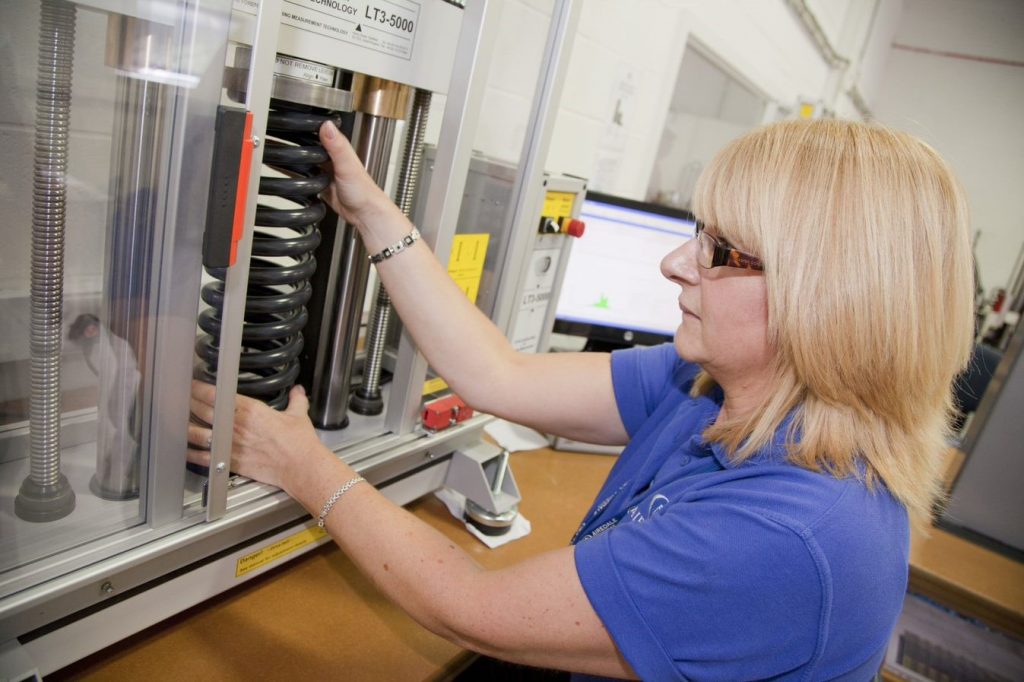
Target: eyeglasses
(714, 253)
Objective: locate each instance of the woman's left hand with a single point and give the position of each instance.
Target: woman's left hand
(268, 446)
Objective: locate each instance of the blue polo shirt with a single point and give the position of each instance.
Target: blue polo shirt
(702, 569)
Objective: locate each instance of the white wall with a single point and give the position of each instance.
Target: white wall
(513, 76)
(873, 56)
(626, 57)
(762, 43)
(639, 45)
(969, 110)
(623, 68)
(619, 85)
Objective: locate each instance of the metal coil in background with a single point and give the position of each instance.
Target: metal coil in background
(282, 263)
(45, 495)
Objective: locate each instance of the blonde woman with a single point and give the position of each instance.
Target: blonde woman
(756, 525)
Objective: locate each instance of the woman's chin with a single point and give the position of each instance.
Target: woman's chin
(684, 345)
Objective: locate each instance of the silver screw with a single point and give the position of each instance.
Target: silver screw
(256, 141)
(220, 468)
(107, 587)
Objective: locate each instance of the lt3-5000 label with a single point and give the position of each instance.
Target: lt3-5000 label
(395, 21)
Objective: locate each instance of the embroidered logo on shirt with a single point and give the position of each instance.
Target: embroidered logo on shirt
(656, 505)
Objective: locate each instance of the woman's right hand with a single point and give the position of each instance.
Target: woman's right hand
(267, 445)
(353, 194)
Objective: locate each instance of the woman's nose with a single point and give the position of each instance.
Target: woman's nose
(680, 264)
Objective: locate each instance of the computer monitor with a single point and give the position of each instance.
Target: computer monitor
(613, 292)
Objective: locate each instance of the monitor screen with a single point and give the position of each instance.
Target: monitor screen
(613, 292)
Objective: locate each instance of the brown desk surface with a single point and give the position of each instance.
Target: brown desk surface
(316, 617)
(967, 578)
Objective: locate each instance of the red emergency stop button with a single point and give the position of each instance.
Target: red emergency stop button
(574, 227)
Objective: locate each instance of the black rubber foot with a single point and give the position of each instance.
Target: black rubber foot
(366, 405)
(41, 503)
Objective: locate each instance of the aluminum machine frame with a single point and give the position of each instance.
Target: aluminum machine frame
(187, 536)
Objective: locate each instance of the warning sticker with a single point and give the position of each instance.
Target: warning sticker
(558, 204)
(386, 26)
(280, 549)
(466, 264)
(465, 267)
(303, 70)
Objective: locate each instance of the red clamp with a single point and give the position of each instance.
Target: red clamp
(444, 412)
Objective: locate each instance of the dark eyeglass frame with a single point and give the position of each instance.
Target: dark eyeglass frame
(723, 254)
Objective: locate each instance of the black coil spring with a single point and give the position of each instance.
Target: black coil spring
(281, 265)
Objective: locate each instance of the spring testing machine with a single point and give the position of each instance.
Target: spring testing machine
(180, 233)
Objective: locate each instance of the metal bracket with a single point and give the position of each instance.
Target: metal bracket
(481, 473)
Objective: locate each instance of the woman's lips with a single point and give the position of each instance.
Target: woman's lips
(687, 311)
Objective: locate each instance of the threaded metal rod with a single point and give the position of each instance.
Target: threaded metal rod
(366, 399)
(45, 494)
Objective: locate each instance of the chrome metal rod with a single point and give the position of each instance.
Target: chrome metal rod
(339, 330)
(45, 494)
(367, 397)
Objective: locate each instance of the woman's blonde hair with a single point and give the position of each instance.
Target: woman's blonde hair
(864, 235)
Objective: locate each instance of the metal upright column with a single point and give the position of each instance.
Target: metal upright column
(367, 398)
(527, 198)
(444, 199)
(236, 283)
(381, 104)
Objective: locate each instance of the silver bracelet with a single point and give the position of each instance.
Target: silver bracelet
(397, 247)
(329, 504)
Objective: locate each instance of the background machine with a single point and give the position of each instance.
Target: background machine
(171, 228)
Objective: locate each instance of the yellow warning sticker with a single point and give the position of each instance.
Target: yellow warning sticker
(466, 264)
(466, 267)
(279, 550)
(434, 385)
(558, 205)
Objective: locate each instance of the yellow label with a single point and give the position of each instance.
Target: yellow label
(280, 549)
(434, 385)
(466, 264)
(465, 267)
(558, 204)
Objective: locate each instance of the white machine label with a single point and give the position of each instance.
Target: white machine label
(536, 299)
(387, 26)
(307, 71)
